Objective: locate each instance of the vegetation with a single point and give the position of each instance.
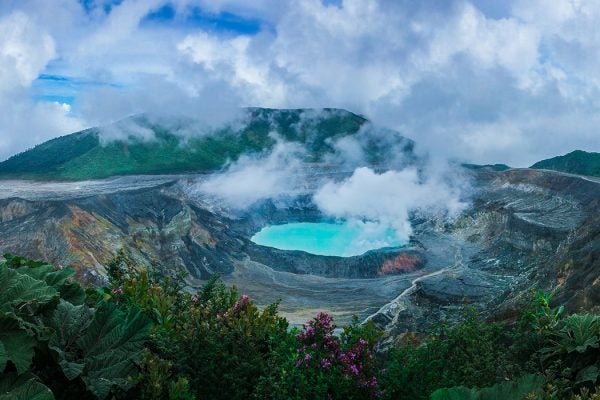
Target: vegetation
(577, 162)
(493, 167)
(84, 155)
(144, 337)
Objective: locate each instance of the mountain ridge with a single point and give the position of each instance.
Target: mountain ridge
(576, 162)
(83, 155)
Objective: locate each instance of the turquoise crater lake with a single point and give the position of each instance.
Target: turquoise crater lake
(326, 239)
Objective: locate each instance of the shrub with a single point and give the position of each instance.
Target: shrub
(324, 366)
(471, 353)
(51, 342)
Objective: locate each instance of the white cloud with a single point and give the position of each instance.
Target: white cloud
(387, 199)
(254, 178)
(25, 50)
(505, 43)
(451, 75)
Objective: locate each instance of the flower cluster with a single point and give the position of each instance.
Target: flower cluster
(241, 304)
(117, 292)
(320, 350)
(356, 363)
(318, 346)
(238, 307)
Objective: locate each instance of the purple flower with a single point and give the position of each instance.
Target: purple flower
(325, 363)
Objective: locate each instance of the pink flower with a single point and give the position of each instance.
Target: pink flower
(242, 302)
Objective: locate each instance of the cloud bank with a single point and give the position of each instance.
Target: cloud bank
(479, 81)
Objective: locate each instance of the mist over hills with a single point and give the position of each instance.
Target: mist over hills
(220, 184)
(147, 145)
(150, 145)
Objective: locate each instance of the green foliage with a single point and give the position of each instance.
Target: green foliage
(577, 162)
(471, 353)
(157, 381)
(101, 348)
(572, 354)
(84, 155)
(48, 342)
(215, 335)
(150, 337)
(23, 387)
(320, 365)
(224, 339)
(541, 317)
(527, 387)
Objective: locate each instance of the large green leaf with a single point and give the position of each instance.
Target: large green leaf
(17, 345)
(3, 357)
(455, 393)
(69, 322)
(517, 390)
(58, 278)
(23, 387)
(588, 374)
(580, 332)
(101, 347)
(72, 292)
(47, 273)
(112, 344)
(18, 290)
(113, 329)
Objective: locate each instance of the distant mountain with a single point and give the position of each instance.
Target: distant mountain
(577, 162)
(494, 167)
(178, 146)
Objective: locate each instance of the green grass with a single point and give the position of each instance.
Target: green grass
(577, 162)
(83, 155)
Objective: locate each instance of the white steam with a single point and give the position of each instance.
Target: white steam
(376, 205)
(254, 178)
(385, 200)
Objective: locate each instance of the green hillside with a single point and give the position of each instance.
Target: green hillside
(493, 167)
(577, 162)
(83, 155)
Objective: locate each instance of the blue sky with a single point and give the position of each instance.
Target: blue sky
(481, 81)
(65, 89)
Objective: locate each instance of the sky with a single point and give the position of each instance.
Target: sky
(480, 81)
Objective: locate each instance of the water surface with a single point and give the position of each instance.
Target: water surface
(326, 239)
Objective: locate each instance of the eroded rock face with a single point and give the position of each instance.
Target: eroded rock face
(525, 229)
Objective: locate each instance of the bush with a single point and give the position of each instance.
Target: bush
(51, 342)
(145, 337)
(324, 366)
(217, 341)
(471, 353)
